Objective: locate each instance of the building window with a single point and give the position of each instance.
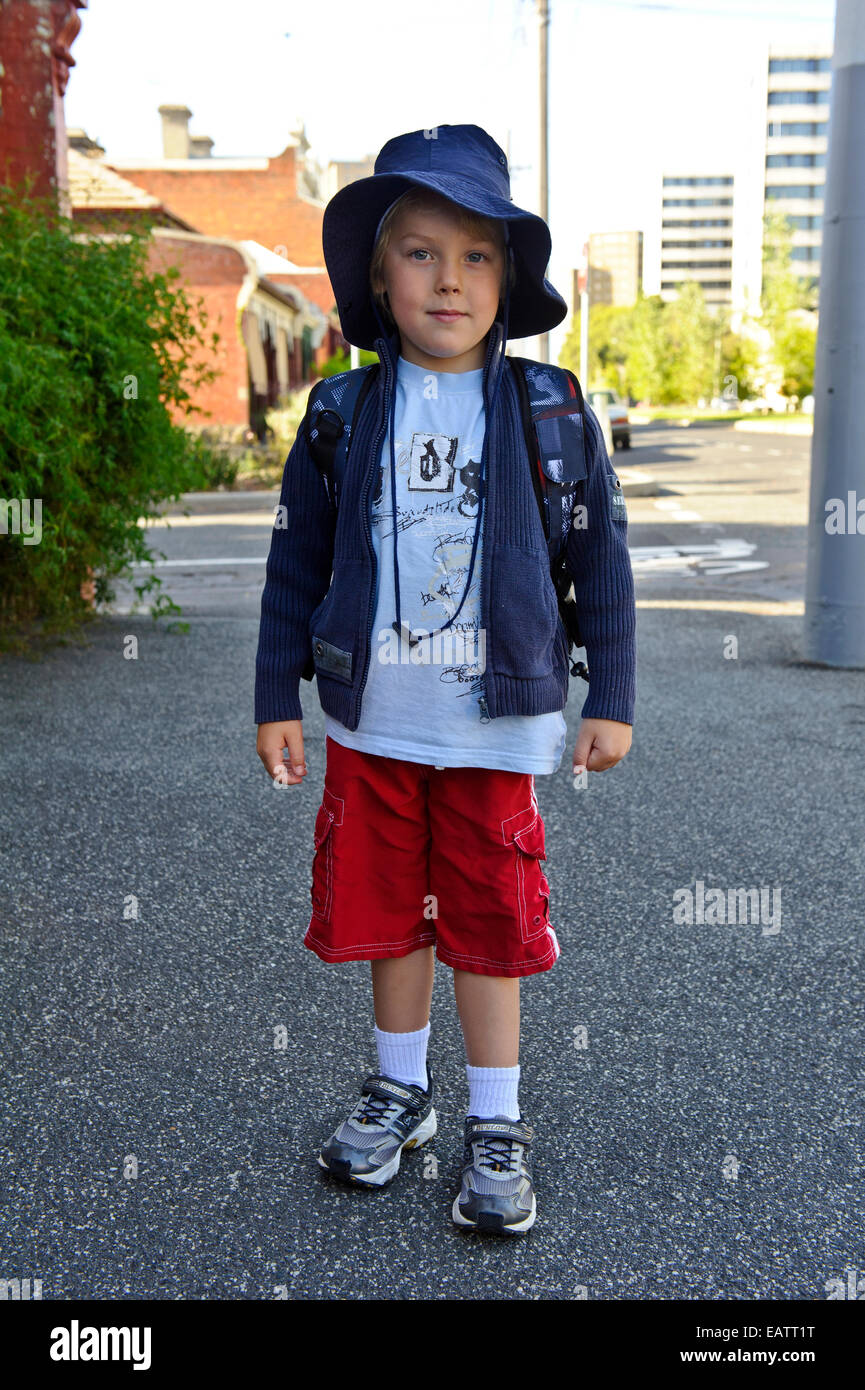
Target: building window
(796, 161)
(695, 265)
(813, 129)
(692, 222)
(794, 190)
(697, 202)
(797, 98)
(800, 64)
(704, 284)
(725, 182)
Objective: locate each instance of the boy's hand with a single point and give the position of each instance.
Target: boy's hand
(272, 738)
(601, 743)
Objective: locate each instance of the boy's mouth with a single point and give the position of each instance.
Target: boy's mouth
(446, 315)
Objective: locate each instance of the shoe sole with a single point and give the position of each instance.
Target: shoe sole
(388, 1171)
(493, 1221)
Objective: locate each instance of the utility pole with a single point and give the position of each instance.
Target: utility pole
(834, 629)
(583, 281)
(544, 35)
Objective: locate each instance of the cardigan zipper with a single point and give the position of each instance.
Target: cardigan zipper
(385, 360)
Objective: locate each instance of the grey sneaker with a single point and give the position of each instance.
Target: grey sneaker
(389, 1117)
(496, 1192)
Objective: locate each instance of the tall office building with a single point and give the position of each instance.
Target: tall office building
(697, 235)
(615, 267)
(797, 127)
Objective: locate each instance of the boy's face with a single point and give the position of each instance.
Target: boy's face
(430, 266)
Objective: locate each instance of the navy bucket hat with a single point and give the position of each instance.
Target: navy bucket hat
(462, 163)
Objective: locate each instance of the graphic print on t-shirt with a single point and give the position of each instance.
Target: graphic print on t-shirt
(432, 462)
(437, 507)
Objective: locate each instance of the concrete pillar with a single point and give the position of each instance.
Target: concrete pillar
(834, 625)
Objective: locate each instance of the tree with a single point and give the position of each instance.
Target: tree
(95, 353)
(644, 363)
(787, 302)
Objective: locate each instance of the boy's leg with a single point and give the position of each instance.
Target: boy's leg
(489, 1010)
(402, 994)
(402, 989)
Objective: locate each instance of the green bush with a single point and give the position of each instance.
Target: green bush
(341, 362)
(94, 351)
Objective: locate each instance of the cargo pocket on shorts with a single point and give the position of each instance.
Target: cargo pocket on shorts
(525, 831)
(330, 813)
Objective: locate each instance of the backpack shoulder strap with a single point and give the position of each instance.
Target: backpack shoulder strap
(555, 428)
(331, 411)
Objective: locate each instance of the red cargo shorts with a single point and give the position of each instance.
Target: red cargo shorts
(408, 856)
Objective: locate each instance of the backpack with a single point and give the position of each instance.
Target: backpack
(554, 425)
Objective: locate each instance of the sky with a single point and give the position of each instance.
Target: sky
(635, 88)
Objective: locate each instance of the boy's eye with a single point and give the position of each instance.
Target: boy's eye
(419, 251)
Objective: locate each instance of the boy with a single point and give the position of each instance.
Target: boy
(440, 658)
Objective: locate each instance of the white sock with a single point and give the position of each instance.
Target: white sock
(493, 1091)
(402, 1056)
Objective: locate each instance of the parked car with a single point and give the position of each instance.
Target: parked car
(618, 413)
(602, 411)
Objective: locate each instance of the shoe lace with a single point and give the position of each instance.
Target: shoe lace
(498, 1155)
(372, 1110)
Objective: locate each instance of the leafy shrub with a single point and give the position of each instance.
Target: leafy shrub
(95, 352)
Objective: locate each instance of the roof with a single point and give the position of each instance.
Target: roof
(93, 185)
(272, 263)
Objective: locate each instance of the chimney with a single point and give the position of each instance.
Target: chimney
(200, 146)
(175, 131)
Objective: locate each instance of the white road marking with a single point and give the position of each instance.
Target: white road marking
(676, 510)
(724, 556)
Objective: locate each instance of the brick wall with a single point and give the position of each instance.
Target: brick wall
(31, 109)
(246, 204)
(215, 273)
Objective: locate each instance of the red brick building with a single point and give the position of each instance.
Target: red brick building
(244, 233)
(274, 201)
(35, 41)
(271, 334)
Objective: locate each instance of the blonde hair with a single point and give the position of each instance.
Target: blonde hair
(416, 199)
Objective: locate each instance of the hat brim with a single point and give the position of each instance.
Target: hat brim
(350, 223)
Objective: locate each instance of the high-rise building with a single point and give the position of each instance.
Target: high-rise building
(615, 267)
(697, 234)
(797, 128)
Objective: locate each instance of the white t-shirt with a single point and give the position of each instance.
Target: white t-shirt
(422, 703)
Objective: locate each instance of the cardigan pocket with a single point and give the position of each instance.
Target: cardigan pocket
(337, 626)
(525, 632)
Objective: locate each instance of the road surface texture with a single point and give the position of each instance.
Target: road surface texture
(174, 1055)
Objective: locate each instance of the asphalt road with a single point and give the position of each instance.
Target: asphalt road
(704, 1143)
